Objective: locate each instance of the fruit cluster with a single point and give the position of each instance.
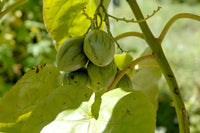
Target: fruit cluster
(88, 61)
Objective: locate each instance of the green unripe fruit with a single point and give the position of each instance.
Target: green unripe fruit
(99, 47)
(125, 82)
(122, 60)
(101, 77)
(79, 78)
(70, 56)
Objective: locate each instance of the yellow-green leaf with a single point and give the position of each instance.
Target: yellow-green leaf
(64, 18)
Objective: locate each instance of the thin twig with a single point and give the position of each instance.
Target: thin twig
(132, 20)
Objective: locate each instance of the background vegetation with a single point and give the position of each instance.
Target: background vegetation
(24, 43)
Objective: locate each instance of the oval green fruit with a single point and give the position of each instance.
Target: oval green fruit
(70, 56)
(79, 78)
(101, 77)
(122, 60)
(99, 47)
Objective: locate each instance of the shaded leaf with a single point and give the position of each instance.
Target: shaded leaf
(29, 91)
(63, 98)
(14, 127)
(133, 113)
(96, 103)
(146, 78)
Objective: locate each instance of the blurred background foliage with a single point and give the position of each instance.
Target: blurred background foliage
(24, 43)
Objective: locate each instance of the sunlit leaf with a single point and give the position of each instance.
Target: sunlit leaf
(64, 18)
(120, 112)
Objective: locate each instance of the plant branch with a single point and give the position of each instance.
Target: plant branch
(128, 67)
(127, 34)
(173, 19)
(107, 22)
(132, 20)
(157, 50)
(11, 7)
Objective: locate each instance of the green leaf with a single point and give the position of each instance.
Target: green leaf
(146, 78)
(96, 103)
(64, 18)
(63, 98)
(29, 91)
(14, 127)
(133, 113)
(120, 112)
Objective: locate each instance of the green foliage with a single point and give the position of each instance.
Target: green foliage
(133, 112)
(183, 1)
(63, 98)
(24, 42)
(82, 98)
(120, 111)
(35, 86)
(146, 78)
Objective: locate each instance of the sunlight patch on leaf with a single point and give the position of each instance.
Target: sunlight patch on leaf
(120, 111)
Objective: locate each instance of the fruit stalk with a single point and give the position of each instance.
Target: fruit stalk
(128, 67)
(156, 48)
(127, 34)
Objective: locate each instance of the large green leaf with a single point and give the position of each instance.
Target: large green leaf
(63, 98)
(29, 91)
(120, 112)
(64, 18)
(133, 113)
(147, 78)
